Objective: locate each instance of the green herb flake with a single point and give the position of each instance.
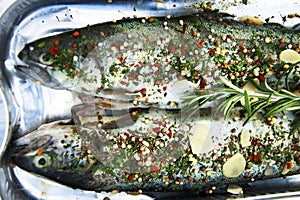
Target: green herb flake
(41, 45)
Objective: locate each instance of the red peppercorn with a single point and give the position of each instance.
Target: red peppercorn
(120, 59)
(261, 77)
(202, 83)
(75, 34)
(201, 43)
(289, 165)
(130, 178)
(241, 47)
(154, 169)
(157, 64)
(170, 133)
(54, 51)
(56, 42)
(256, 157)
(171, 48)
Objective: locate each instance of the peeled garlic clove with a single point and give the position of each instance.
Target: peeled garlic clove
(251, 20)
(269, 171)
(234, 166)
(288, 166)
(245, 138)
(200, 139)
(234, 189)
(289, 56)
(181, 88)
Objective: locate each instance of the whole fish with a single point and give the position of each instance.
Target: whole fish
(156, 153)
(152, 90)
(146, 61)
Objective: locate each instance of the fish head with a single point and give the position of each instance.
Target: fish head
(36, 65)
(44, 51)
(31, 53)
(39, 60)
(56, 152)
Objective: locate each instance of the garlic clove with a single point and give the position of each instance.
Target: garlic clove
(234, 166)
(234, 189)
(287, 167)
(245, 138)
(200, 139)
(289, 56)
(251, 20)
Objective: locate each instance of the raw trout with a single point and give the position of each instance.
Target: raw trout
(146, 61)
(165, 104)
(156, 153)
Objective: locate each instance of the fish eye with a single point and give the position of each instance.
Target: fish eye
(42, 161)
(45, 59)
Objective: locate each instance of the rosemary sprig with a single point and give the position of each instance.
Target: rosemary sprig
(269, 101)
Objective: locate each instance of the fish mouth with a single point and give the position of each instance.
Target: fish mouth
(32, 68)
(38, 72)
(22, 161)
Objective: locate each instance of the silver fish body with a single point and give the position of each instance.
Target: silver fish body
(153, 61)
(155, 153)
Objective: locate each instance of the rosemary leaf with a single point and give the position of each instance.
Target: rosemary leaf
(280, 106)
(287, 78)
(295, 125)
(260, 105)
(289, 93)
(227, 113)
(227, 105)
(269, 99)
(189, 97)
(269, 89)
(247, 102)
(199, 98)
(284, 75)
(230, 85)
(294, 108)
(201, 104)
(225, 90)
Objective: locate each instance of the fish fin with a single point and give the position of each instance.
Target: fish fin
(117, 103)
(94, 117)
(56, 123)
(125, 120)
(119, 94)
